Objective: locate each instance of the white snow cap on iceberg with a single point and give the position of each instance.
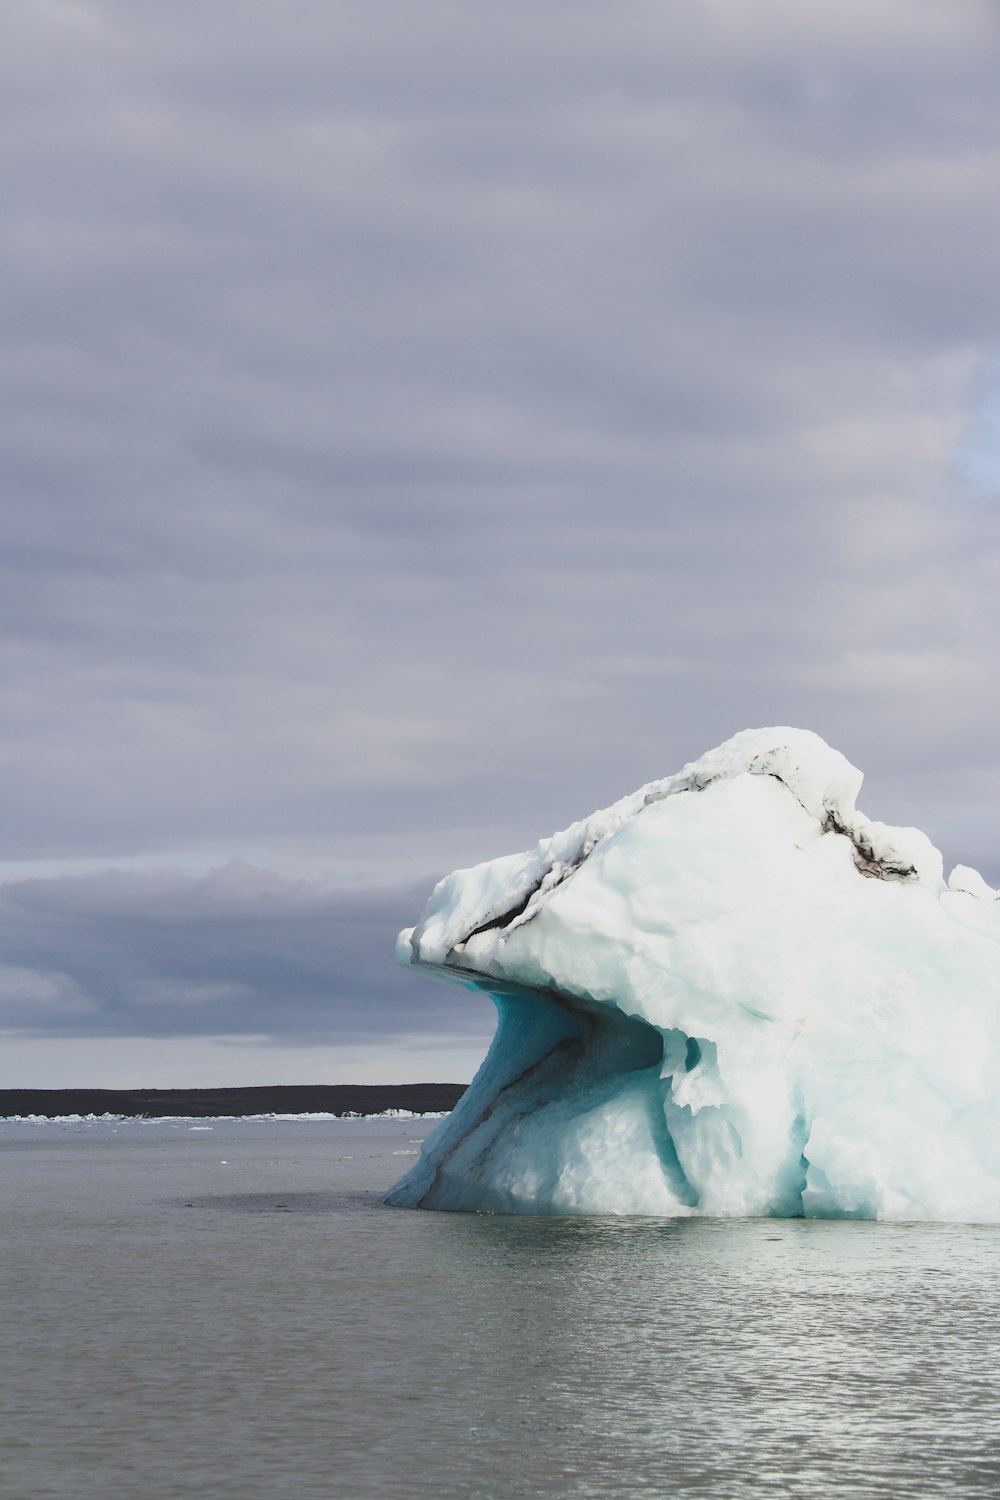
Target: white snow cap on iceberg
(728, 993)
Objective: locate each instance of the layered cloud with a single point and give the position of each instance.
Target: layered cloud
(421, 425)
(239, 951)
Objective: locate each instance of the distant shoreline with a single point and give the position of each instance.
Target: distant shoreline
(279, 1099)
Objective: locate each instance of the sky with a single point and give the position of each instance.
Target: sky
(421, 425)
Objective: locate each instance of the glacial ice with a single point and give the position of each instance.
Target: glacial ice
(730, 993)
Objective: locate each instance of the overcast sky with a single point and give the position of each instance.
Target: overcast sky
(422, 424)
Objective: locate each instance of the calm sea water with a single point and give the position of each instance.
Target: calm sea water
(230, 1312)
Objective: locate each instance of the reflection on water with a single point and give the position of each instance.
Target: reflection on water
(235, 1313)
(286, 1203)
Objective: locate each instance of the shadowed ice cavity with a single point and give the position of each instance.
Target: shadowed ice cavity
(571, 1112)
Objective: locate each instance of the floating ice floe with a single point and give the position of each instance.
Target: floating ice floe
(731, 993)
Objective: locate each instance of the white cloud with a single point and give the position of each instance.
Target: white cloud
(422, 426)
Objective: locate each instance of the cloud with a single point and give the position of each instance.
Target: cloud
(238, 952)
(422, 426)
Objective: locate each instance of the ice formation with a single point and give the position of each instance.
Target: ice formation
(731, 993)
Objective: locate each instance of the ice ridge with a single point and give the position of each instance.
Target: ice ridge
(729, 993)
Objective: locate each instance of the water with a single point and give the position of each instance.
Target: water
(230, 1312)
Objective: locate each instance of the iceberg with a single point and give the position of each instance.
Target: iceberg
(729, 994)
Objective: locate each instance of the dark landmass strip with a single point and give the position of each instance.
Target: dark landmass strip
(282, 1099)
